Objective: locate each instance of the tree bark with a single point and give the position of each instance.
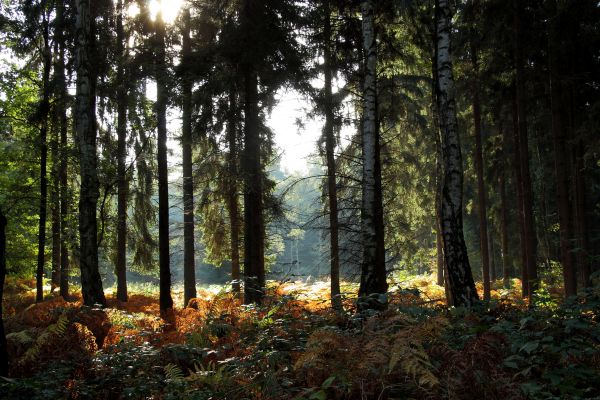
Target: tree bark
(527, 206)
(254, 227)
(55, 200)
(504, 227)
(561, 164)
(3, 346)
(189, 266)
(583, 241)
(373, 275)
(481, 191)
(165, 299)
(460, 278)
(122, 186)
(232, 195)
(328, 132)
(61, 105)
(44, 110)
(85, 127)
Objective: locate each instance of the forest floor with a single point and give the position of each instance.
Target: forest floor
(295, 347)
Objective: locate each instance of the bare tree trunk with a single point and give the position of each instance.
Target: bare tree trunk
(85, 127)
(373, 276)
(44, 110)
(490, 236)
(460, 278)
(232, 195)
(527, 205)
(561, 165)
(328, 132)
(504, 228)
(481, 191)
(439, 170)
(165, 299)
(122, 186)
(583, 241)
(3, 345)
(254, 226)
(55, 200)
(189, 265)
(519, 187)
(61, 105)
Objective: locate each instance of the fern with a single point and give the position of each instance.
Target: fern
(173, 372)
(57, 329)
(22, 337)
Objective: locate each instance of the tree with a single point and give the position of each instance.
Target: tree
(373, 274)
(189, 268)
(3, 346)
(460, 278)
(85, 127)
(166, 301)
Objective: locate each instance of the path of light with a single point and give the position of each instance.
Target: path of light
(168, 8)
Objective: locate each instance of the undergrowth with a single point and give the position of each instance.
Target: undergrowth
(295, 347)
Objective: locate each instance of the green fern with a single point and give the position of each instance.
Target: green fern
(22, 337)
(57, 329)
(173, 372)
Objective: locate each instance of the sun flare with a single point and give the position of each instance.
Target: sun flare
(168, 8)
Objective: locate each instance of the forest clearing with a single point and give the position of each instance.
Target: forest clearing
(299, 199)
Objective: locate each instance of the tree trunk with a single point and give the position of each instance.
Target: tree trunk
(481, 193)
(232, 195)
(373, 275)
(189, 266)
(493, 275)
(460, 278)
(44, 110)
(504, 227)
(165, 299)
(85, 127)
(583, 241)
(122, 187)
(254, 227)
(527, 206)
(519, 187)
(61, 106)
(561, 165)
(3, 346)
(55, 200)
(328, 132)
(441, 279)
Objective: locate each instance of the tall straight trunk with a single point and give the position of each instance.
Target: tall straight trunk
(55, 200)
(189, 266)
(561, 165)
(481, 191)
(44, 110)
(254, 226)
(583, 241)
(165, 299)
(61, 107)
(373, 274)
(493, 275)
(85, 127)
(530, 236)
(441, 280)
(122, 186)
(232, 194)
(519, 187)
(504, 228)
(460, 278)
(3, 345)
(328, 132)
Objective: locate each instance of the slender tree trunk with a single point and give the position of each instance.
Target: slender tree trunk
(504, 228)
(44, 110)
(373, 276)
(165, 300)
(232, 195)
(583, 241)
(189, 267)
(55, 200)
(490, 236)
(561, 166)
(336, 299)
(481, 191)
(122, 186)
(519, 187)
(3, 346)
(254, 226)
(85, 127)
(530, 236)
(61, 106)
(460, 278)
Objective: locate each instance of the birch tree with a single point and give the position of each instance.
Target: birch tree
(460, 278)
